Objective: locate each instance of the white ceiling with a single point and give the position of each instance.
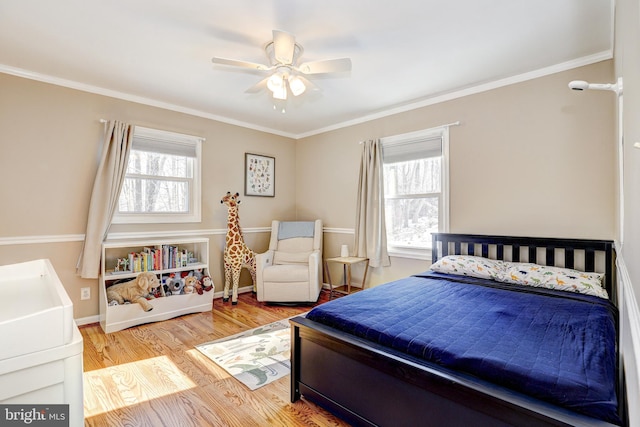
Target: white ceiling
(405, 53)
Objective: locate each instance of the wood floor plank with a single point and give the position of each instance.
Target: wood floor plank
(151, 375)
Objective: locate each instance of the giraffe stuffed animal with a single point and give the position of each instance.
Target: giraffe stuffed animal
(236, 254)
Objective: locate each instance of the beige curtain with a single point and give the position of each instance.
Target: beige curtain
(118, 138)
(371, 234)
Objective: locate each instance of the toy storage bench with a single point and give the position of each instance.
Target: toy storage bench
(165, 258)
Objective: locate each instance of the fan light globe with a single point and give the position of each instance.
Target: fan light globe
(276, 84)
(280, 94)
(296, 85)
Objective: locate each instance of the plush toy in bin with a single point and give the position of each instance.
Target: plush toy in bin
(207, 283)
(157, 292)
(134, 291)
(175, 285)
(190, 284)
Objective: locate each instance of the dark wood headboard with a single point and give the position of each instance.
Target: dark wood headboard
(581, 254)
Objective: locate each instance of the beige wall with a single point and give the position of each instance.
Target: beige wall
(537, 161)
(532, 158)
(50, 139)
(627, 66)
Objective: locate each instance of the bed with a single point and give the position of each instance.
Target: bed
(417, 368)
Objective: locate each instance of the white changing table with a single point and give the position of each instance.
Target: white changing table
(40, 344)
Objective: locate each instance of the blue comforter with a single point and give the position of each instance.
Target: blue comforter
(555, 346)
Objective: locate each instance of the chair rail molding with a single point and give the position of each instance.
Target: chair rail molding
(68, 238)
(34, 240)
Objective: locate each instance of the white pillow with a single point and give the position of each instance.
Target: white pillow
(467, 265)
(564, 279)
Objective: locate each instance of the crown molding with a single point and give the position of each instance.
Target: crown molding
(564, 66)
(44, 78)
(580, 62)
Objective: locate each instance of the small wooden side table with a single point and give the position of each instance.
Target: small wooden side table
(346, 262)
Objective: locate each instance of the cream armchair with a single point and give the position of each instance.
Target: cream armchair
(291, 270)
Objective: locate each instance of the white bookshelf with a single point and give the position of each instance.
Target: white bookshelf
(118, 317)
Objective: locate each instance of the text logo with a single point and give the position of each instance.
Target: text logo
(34, 415)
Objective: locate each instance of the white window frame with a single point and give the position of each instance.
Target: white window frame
(195, 196)
(441, 132)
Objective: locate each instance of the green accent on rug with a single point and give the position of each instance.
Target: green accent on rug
(255, 357)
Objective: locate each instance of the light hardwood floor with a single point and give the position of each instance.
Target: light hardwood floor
(151, 375)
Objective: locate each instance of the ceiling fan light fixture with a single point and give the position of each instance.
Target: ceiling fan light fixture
(296, 85)
(288, 75)
(280, 94)
(277, 86)
(275, 82)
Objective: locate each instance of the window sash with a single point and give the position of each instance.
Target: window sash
(164, 147)
(170, 144)
(413, 196)
(164, 142)
(147, 184)
(414, 146)
(411, 149)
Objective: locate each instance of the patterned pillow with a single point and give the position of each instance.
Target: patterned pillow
(563, 279)
(467, 265)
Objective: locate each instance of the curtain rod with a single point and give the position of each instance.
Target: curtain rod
(457, 123)
(105, 121)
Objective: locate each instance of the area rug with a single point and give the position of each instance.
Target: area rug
(255, 357)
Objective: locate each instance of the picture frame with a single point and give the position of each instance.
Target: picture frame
(259, 175)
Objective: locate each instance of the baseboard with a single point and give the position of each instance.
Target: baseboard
(88, 320)
(241, 290)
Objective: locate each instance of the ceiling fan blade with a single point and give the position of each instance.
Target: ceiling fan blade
(308, 84)
(261, 85)
(238, 63)
(284, 45)
(326, 66)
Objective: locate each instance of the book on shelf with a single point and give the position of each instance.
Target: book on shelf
(166, 257)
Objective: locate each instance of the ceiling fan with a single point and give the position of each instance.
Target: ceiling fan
(287, 75)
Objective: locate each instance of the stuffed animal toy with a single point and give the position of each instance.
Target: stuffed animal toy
(167, 291)
(190, 284)
(198, 274)
(199, 287)
(176, 285)
(134, 291)
(168, 286)
(236, 253)
(207, 283)
(156, 292)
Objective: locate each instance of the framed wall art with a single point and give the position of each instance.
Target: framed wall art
(259, 175)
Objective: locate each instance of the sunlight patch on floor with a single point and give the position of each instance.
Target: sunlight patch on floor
(128, 384)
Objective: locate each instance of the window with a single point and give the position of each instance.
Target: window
(415, 190)
(162, 182)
